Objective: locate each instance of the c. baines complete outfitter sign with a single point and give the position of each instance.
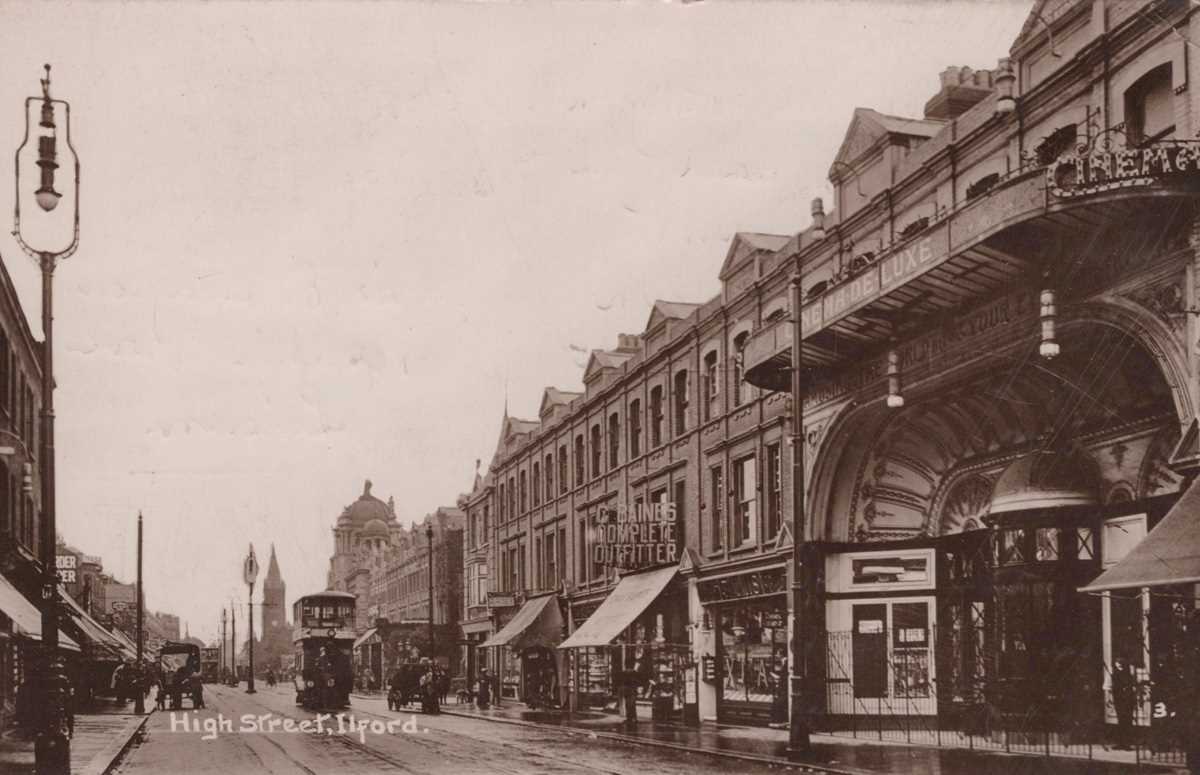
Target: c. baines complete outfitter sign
(635, 537)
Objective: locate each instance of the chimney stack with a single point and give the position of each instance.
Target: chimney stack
(961, 89)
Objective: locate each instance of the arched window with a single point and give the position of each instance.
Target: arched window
(614, 440)
(596, 449)
(740, 393)
(656, 416)
(682, 397)
(1149, 107)
(712, 383)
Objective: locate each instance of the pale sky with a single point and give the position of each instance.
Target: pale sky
(319, 239)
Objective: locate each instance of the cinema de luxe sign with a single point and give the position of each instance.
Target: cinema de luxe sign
(637, 536)
(1078, 174)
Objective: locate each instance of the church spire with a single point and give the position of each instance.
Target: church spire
(274, 577)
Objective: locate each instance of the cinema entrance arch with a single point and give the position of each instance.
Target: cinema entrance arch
(958, 528)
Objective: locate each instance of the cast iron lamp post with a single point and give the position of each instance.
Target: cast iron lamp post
(52, 749)
(250, 574)
(798, 733)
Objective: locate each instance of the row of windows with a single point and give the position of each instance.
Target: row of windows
(518, 493)
(735, 523)
(17, 513)
(734, 520)
(16, 396)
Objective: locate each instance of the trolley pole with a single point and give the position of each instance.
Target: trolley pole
(139, 701)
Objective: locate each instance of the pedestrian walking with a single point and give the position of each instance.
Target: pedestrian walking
(483, 692)
(1124, 699)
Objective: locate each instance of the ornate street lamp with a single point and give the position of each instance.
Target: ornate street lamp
(250, 574)
(52, 750)
(799, 739)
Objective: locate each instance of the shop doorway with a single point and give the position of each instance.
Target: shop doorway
(539, 674)
(752, 654)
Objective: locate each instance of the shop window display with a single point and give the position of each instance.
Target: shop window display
(754, 650)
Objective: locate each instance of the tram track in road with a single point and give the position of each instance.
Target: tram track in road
(346, 742)
(447, 753)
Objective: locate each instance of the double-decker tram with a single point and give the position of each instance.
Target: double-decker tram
(210, 663)
(323, 639)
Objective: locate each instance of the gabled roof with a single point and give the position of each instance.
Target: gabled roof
(509, 427)
(604, 359)
(746, 242)
(1043, 13)
(669, 310)
(867, 126)
(552, 397)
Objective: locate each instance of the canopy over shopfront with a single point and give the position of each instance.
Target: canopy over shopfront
(130, 646)
(538, 623)
(365, 638)
(27, 620)
(632, 595)
(1168, 555)
(102, 644)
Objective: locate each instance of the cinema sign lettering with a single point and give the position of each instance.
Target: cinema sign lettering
(630, 538)
(1075, 175)
(901, 265)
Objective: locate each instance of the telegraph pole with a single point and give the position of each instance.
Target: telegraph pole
(233, 640)
(139, 702)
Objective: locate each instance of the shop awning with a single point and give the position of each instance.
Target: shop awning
(101, 643)
(127, 642)
(1169, 554)
(27, 620)
(365, 637)
(538, 623)
(632, 595)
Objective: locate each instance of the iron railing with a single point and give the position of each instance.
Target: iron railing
(946, 689)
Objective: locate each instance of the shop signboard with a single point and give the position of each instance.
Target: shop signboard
(745, 585)
(495, 600)
(637, 537)
(65, 564)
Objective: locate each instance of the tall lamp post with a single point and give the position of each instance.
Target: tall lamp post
(798, 732)
(52, 749)
(429, 547)
(250, 574)
(224, 631)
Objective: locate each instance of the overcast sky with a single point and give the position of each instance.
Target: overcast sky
(319, 240)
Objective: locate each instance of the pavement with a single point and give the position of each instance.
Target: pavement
(101, 736)
(831, 754)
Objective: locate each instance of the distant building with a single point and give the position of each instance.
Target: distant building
(363, 530)
(276, 636)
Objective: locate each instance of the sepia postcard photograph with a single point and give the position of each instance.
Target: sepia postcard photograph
(600, 387)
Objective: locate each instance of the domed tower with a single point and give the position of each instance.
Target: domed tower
(363, 531)
(348, 535)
